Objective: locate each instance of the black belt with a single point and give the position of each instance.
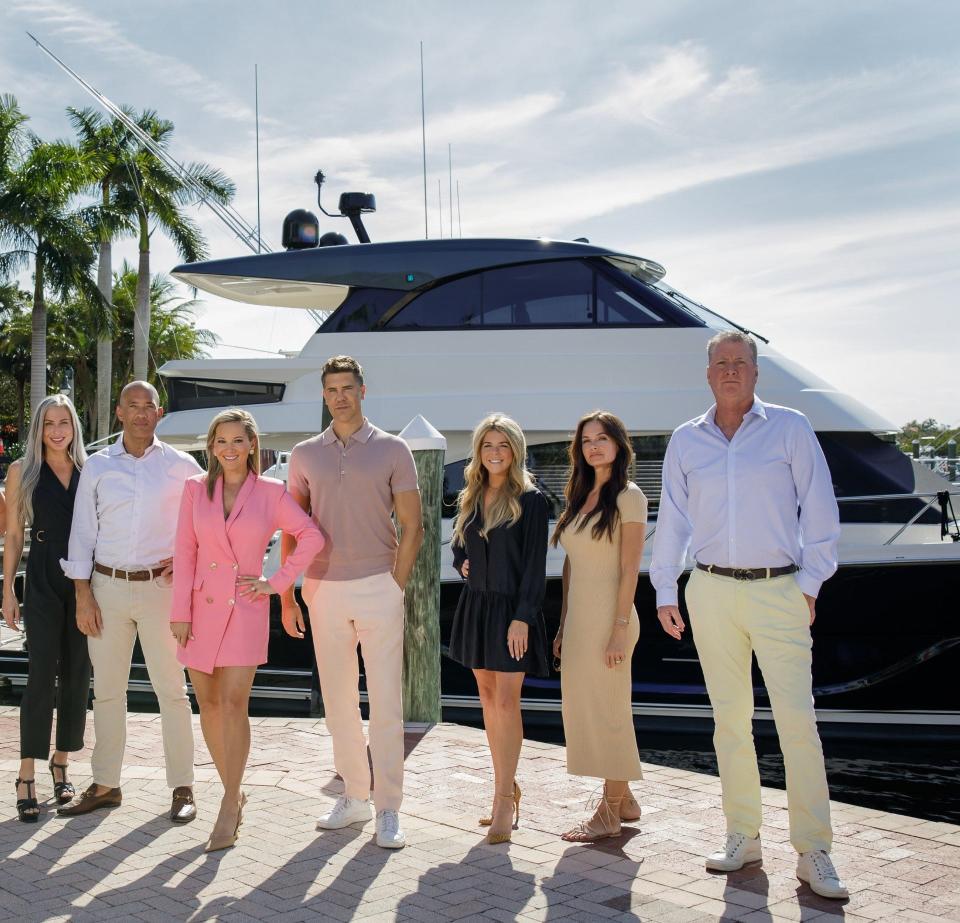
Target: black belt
(749, 573)
(42, 535)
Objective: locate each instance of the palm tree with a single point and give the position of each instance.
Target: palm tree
(173, 330)
(38, 222)
(157, 196)
(109, 143)
(15, 346)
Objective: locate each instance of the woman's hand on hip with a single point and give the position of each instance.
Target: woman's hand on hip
(465, 568)
(517, 635)
(616, 651)
(182, 631)
(254, 587)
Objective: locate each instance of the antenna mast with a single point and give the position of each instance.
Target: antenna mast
(423, 130)
(256, 111)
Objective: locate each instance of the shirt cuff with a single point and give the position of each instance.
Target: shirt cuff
(77, 570)
(667, 596)
(808, 584)
(525, 612)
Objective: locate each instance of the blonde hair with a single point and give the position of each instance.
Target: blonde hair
(33, 452)
(505, 509)
(232, 415)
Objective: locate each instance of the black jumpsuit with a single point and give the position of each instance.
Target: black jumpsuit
(59, 663)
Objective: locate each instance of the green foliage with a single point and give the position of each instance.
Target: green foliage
(932, 434)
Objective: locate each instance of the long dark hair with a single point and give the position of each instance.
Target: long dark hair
(581, 479)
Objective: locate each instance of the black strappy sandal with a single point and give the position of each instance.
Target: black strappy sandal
(28, 809)
(63, 791)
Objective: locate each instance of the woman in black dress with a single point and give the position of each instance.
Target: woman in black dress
(41, 488)
(500, 549)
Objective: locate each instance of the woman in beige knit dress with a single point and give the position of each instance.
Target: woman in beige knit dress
(602, 531)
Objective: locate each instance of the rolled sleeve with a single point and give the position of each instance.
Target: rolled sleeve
(83, 528)
(672, 537)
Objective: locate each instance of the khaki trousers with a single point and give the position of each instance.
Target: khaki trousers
(128, 609)
(368, 611)
(730, 618)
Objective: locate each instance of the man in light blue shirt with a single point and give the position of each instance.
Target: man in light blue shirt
(747, 491)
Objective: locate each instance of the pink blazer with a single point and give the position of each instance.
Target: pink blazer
(210, 554)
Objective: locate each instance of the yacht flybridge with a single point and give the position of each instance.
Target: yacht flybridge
(546, 330)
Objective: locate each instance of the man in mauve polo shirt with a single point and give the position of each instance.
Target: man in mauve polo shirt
(351, 478)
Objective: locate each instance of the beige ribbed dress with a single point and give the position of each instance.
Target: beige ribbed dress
(597, 719)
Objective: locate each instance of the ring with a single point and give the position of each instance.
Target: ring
(619, 660)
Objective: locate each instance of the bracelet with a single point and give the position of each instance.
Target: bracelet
(622, 621)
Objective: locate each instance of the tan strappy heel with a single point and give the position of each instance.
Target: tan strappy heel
(487, 821)
(494, 838)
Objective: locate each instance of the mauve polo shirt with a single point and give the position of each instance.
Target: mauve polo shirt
(351, 490)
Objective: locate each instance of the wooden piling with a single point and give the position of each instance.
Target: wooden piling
(421, 637)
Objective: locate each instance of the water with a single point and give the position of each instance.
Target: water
(901, 777)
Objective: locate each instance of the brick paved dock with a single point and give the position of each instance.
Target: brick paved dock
(132, 864)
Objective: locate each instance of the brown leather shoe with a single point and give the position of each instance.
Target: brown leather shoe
(183, 810)
(89, 801)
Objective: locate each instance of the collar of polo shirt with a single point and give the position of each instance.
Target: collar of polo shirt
(361, 435)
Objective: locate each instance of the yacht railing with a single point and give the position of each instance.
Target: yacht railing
(943, 499)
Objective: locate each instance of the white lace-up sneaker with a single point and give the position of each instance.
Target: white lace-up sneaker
(389, 834)
(345, 812)
(816, 869)
(738, 851)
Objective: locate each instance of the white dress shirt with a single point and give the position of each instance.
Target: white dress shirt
(762, 499)
(125, 511)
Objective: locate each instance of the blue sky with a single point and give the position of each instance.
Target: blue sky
(796, 166)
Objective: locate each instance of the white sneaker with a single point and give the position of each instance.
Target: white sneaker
(736, 854)
(389, 834)
(816, 869)
(345, 812)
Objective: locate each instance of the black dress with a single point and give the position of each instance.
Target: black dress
(506, 581)
(59, 666)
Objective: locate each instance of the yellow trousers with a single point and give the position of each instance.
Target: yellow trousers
(730, 620)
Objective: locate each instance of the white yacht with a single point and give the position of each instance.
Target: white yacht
(546, 330)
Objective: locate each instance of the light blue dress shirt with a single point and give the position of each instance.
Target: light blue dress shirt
(761, 499)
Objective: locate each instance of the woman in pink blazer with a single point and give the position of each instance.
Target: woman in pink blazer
(220, 614)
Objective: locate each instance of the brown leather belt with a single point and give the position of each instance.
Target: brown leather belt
(749, 573)
(129, 574)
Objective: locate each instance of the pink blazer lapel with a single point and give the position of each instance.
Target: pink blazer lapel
(245, 492)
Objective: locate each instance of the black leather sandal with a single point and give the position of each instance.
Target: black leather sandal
(63, 791)
(28, 809)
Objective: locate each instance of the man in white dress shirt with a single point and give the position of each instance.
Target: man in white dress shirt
(747, 490)
(121, 549)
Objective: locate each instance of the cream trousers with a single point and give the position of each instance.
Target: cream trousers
(368, 611)
(129, 609)
(730, 619)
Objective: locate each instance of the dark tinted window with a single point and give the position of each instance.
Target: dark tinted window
(538, 295)
(625, 303)
(191, 394)
(455, 304)
(362, 310)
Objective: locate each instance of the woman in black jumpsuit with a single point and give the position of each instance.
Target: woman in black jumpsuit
(58, 662)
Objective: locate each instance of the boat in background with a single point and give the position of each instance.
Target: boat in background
(545, 331)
